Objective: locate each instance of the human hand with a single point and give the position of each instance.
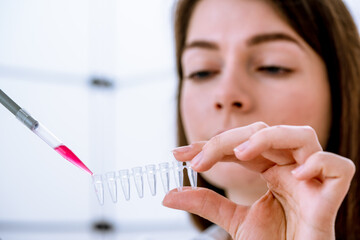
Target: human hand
(306, 185)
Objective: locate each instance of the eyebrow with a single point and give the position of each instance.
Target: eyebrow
(255, 40)
(202, 44)
(270, 37)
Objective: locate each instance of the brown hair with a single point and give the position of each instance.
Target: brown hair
(329, 29)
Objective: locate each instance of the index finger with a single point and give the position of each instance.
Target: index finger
(221, 147)
(186, 153)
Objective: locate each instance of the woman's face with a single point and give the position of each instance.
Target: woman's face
(243, 63)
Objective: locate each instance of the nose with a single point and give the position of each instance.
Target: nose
(233, 93)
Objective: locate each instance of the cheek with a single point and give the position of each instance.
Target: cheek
(315, 111)
(194, 107)
(302, 105)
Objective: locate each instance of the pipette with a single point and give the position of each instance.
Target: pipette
(41, 131)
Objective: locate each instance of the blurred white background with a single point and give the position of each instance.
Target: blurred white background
(50, 54)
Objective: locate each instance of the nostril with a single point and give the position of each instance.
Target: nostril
(218, 106)
(237, 104)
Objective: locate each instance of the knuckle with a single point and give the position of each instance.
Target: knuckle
(259, 125)
(350, 166)
(263, 133)
(344, 165)
(213, 142)
(309, 132)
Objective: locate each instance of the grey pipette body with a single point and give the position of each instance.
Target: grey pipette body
(20, 114)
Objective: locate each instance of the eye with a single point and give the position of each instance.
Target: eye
(200, 75)
(274, 70)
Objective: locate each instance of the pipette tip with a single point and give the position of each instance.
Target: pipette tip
(71, 157)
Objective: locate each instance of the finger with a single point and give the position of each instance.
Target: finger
(332, 171)
(207, 204)
(186, 153)
(300, 141)
(325, 165)
(220, 147)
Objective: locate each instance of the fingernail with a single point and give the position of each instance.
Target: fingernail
(298, 170)
(183, 149)
(242, 147)
(197, 159)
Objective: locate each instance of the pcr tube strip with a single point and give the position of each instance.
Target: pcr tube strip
(137, 173)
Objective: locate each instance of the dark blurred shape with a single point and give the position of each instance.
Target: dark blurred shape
(101, 82)
(103, 226)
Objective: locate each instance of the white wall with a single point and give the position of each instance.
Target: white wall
(49, 52)
(354, 8)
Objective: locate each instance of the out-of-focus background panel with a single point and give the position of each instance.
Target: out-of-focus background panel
(100, 76)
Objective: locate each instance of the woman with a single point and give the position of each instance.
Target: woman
(269, 103)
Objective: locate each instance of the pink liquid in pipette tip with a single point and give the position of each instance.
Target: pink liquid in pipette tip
(71, 157)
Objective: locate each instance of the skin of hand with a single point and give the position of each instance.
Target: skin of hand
(306, 185)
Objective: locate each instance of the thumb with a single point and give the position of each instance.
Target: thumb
(209, 205)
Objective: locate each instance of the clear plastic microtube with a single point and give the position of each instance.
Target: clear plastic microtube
(137, 175)
(138, 178)
(99, 188)
(192, 175)
(164, 174)
(178, 168)
(112, 186)
(125, 183)
(151, 177)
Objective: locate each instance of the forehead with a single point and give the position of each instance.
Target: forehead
(235, 20)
